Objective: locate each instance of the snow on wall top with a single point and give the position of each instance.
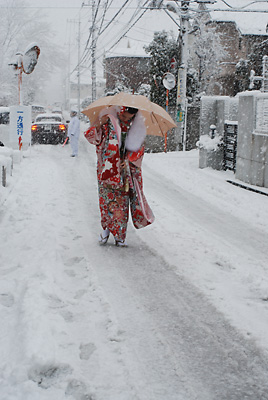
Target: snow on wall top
(127, 52)
(130, 48)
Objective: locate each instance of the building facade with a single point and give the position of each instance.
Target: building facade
(127, 69)
(236, 47)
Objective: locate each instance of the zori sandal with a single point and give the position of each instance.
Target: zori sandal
(104, 236)
(120, 243)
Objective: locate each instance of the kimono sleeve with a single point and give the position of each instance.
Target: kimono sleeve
(136, 157)
(93, 135)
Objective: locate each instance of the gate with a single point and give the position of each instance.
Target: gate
(230, 145)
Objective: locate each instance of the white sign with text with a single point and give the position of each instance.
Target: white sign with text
(20, 127)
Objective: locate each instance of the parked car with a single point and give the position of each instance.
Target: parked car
(4, 115)
(4, 125)
(57, 111)
(49, 128)
(36, 110)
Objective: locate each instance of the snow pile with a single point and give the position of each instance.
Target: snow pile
(208, 143)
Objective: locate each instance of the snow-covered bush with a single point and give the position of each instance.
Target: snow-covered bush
(210, 144)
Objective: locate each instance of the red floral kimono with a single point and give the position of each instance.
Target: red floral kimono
(120, 185)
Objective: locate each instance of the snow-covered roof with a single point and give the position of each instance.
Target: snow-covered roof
(130, 49)
(85, 79)
(248, 18)
(127, 53)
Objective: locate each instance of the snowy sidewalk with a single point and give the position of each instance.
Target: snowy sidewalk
(56, 330)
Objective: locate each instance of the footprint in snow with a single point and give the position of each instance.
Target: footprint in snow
(47, 375)
(73, 260)
(70, 273)
(77, 237)
(86, 350)
(80, 293)
(9, 270)
(77, 390)
(54, 301)
(67, 316)
(6, 299)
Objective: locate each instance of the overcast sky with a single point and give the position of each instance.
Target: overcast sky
(63, 17)
(65, 14)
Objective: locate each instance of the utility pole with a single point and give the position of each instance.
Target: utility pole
(68, 83)
(93, 52)
(78, 67)
(181, 103)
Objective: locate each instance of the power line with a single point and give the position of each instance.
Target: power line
(122, 33)
(103, 15)
(86, 50)
(127, 31)
(115, 16)
(247, 5)
(126, 27)
(86, 53)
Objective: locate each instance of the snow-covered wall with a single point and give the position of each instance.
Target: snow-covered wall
(252, 141)
(215, 110)
(250, 110)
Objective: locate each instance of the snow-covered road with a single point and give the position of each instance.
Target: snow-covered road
(181, 314)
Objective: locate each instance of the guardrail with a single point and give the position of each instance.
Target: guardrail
(7, 159)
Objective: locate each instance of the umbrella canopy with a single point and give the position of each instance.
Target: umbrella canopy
(157, 120)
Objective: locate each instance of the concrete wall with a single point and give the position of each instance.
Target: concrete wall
(215, 110)
(252, 146)
(252, 143)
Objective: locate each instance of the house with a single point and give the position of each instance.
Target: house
(85, 89)
(128, 67)
(228, 39)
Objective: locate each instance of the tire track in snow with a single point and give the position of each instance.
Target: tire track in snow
(185, 348)
(217, 225)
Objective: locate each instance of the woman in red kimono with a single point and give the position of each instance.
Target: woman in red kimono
(119, 135)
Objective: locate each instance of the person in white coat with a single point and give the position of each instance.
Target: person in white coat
(74, 132)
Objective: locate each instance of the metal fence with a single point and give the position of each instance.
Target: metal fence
(230, 146)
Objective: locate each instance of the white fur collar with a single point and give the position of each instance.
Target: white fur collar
(136, 134)
(137, 131)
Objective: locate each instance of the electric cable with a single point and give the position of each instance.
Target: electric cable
(123, 30)
(115, 16)
(137, 10)
(85, 53)
(247, 5)
(131, 26)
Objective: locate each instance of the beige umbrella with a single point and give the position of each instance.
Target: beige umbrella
(156, 119)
